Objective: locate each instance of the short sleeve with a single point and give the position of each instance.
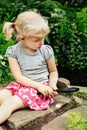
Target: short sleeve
(11, 52)
(47, 52)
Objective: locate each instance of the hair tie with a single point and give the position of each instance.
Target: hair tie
(13, 24)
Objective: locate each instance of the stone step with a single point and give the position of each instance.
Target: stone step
(27, 119)
(60, 122)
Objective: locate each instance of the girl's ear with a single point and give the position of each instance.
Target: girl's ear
(21, 37)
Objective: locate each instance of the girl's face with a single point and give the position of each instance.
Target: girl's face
(33, 42)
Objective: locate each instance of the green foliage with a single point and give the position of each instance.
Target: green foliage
(5, 75)
(74, 3)
(68, 35)
(78, 49)
(9, 10)
(81, 21)
(4, 44)
(77, 121)
(82, 95)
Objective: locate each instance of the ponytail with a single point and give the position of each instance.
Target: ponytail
(8, 29)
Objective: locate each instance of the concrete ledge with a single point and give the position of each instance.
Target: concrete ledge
(27, 119)
(60, 122)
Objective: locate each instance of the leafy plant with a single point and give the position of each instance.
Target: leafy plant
(74, 3)
(77, 121)
(5, 74)
(81, 95)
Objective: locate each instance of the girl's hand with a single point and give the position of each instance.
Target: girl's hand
(47, 91)
(54, 87)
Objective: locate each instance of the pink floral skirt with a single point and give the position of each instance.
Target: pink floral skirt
(29, 96)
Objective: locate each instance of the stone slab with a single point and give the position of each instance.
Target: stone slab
(59, 123)
(29, 117)
(83, 89)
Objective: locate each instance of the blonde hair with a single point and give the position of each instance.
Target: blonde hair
(27, 23)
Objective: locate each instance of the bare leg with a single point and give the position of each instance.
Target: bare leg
(8, 106)
(4, 94)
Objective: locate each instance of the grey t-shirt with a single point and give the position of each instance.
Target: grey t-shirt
(32, 66)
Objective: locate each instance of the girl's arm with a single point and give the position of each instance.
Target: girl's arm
(20, 78)
(53, 76)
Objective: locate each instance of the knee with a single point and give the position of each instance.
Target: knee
(13, 103)
(4, 95)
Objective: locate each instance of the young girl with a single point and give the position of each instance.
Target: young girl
(32, 65)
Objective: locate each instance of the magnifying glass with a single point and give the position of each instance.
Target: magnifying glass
(65, 90)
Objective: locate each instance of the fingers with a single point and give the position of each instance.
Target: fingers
(55, 93)
(48, 91)
(51, 93)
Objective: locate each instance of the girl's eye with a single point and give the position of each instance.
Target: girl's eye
(37, 41)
